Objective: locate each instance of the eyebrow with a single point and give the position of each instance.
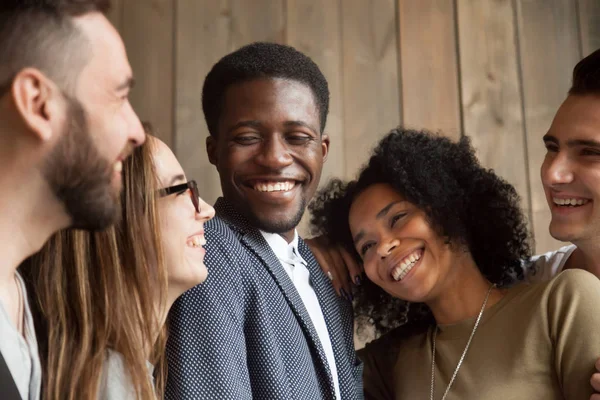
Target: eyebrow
(382, 213)
(257, 124)
(300, 123)
(241, 124)
(179, 177)
(573, 142)
(128, 83)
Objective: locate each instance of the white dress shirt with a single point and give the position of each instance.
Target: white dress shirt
(21, 352)
(295, 266)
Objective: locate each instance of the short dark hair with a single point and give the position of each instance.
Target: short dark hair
(465, 203)
(261, 61)
(586, 76)
(42, 35)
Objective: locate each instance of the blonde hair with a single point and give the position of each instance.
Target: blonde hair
(104, 291)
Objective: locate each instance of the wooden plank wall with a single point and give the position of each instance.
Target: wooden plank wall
(495, 70)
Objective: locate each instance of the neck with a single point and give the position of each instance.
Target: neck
(463, 293)
(587, 257)
(288, 236)
(163, 312)
(28, 224)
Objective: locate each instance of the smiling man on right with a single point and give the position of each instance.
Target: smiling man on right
(571, 175)
(267, 323)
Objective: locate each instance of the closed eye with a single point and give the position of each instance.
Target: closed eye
(590, 152)
(246, 140)
(396, 218)
(551, 147)
(365, 247)
(299, 139)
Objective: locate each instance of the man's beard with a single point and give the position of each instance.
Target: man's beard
(277, 226)
(80, 177)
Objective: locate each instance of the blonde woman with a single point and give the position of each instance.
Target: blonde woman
(104, 311)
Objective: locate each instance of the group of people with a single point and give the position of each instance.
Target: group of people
(119, 282)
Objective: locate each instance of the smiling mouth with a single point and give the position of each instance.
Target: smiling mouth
(402, 269)
(569, 202)
(196, 241)
(274, 186)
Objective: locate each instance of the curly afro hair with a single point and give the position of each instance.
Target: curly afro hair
(259, 61)
(465, 203)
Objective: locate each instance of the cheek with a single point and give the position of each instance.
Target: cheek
(111, 129)
(371, 271)
(591, 179)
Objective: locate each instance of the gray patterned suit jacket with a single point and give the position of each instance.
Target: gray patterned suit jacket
(245, 333)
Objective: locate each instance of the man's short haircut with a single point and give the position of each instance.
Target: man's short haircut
(586, 76)
(41, 34)
(261, 61)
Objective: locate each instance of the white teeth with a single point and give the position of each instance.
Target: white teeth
(274, 186)
(196, 241)
(118, 167)
(400, 271)
(569, 202)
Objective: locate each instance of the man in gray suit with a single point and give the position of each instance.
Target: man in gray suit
(267, 323)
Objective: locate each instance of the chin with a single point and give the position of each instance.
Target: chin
(563, 234)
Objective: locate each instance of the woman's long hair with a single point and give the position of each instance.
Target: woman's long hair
(94, 292)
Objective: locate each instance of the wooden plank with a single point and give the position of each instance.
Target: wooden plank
(115, 13)
(202, 38)
(147, 30)
(257, 20)
(429, 66)
(313, 27)
(370, 77)
(589, 18)
(549, 48)
(491, 97)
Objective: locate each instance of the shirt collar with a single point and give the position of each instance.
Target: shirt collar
(282, 249)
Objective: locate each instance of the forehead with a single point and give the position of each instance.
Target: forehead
(370, 202)
(577, 118)
(270, 101)
(108, 55)
(166, 164)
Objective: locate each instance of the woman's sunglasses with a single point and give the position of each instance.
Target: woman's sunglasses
(177, 189)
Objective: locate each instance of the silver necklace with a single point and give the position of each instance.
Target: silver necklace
(462, 357)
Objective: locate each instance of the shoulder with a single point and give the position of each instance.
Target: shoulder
(543, 267)
(382, 351)
(575, 283)
(115, 383)
(223, 245)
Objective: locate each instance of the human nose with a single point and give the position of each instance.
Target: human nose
(385, 246)
(557, 170)
(275, 154)
(206, 211)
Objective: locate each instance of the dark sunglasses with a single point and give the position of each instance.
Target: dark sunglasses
(177, 189)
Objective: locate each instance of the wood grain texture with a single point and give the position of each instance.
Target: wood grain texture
(257, 20)
(370, 77)
(429, 66)
(202, 38)
(549, 47)
(115, 14)
(147, 31)
(313, 27)
(589, 19)
(491, 97)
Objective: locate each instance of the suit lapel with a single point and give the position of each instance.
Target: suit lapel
(256, 243)
(337, 312)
